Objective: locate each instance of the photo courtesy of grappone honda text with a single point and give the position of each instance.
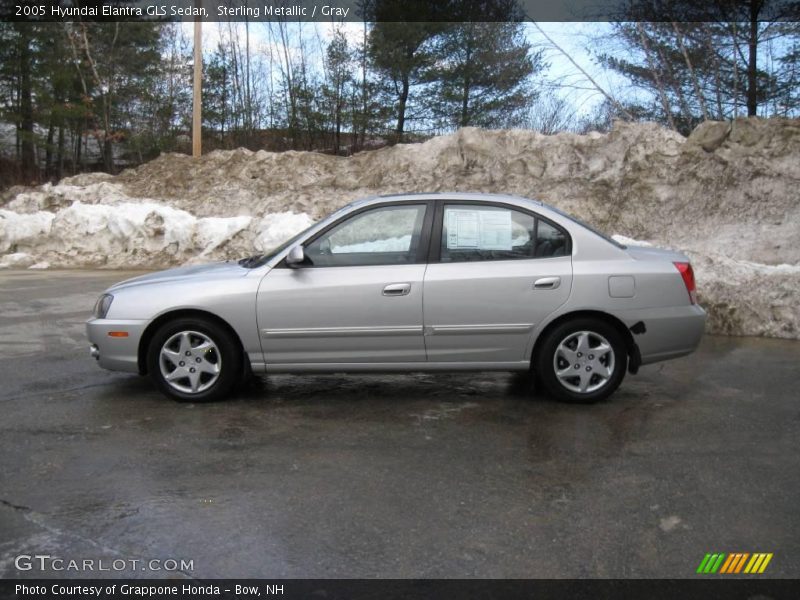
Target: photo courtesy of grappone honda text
(413, 282)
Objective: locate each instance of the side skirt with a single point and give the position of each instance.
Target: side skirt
(399, 367)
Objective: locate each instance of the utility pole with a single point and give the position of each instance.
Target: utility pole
(197, 98)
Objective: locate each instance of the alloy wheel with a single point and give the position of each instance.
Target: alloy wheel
(190, 362)
(584, 362)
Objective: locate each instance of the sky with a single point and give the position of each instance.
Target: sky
(578, 40)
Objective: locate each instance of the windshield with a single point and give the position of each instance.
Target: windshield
(607, 238)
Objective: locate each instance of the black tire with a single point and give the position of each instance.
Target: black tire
(546, 362)
(224, 352)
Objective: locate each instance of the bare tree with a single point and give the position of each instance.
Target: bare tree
(549, 114)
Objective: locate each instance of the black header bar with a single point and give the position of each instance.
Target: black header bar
(705, 587)
(399, 10)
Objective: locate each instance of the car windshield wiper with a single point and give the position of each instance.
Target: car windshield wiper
(251, 262)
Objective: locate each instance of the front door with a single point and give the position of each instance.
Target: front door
(357, 298)
(500, 271)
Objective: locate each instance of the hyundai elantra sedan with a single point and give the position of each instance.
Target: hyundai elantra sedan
(413, 282)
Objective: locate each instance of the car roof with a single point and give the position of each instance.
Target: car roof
(459, 196)
(489, 197)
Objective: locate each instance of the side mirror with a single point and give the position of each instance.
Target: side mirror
(296, 257)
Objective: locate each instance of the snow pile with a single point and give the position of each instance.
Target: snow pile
(748, 298)
(17, 260)
(23, 229)
(626, 241)
(276, 228)
(727, 196)
(394, 244)
(126, 235)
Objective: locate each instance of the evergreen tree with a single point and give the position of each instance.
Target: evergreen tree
(20, 52)
(217, 106)
(482, 74)
(401, 51)
(337, 89)
(402, 54)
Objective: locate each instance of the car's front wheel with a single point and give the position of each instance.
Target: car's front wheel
(582, 360)
(194, 360)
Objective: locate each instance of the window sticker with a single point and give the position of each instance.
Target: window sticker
(462, 229)
(478, 229)
(495, 230)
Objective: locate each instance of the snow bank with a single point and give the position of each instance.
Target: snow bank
(276, 228)
(747, 298)
(22, 229)
(394, 244)
(129, 235)
(626, 241)
(17, 260)
(727, 196)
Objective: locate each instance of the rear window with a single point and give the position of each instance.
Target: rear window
(577, 221)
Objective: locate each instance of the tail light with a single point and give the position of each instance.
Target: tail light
(685, 269)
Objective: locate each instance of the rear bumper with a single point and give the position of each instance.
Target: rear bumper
(671, 332)
(114, 352)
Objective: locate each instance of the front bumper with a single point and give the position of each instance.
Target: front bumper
(116, 352)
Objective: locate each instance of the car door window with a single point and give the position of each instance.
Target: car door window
(473, 232)
(382, 236)
(550, 241)
(476, 233)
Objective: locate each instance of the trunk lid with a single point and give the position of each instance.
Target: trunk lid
(653, 253)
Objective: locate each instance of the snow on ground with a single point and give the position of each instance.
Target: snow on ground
(394, 244)
(747, 298)
(276, 228)
(626, 241)
(727, 196)
(129, 234)
(16, 260)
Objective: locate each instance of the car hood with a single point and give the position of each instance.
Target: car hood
(210, 272)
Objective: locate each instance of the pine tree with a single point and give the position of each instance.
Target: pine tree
(336, 90)
(482, 74)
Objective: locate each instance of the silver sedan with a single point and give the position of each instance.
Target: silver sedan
(414, 282)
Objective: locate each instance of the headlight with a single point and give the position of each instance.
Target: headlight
(102, 305)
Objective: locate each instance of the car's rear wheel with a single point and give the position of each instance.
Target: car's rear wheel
(582, 360)
(194, 360)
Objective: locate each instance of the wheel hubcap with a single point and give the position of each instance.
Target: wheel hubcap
(584, 362)
(197, 349)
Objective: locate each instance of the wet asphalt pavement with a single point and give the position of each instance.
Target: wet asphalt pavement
(460, 475)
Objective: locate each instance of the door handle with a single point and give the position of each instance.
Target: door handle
(397, 289)
(547, 283)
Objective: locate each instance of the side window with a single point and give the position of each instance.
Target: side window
(472, 232)
(475, 232)
(382, 236)
(550, 241)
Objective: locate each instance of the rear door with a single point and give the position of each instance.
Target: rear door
(495, 271)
